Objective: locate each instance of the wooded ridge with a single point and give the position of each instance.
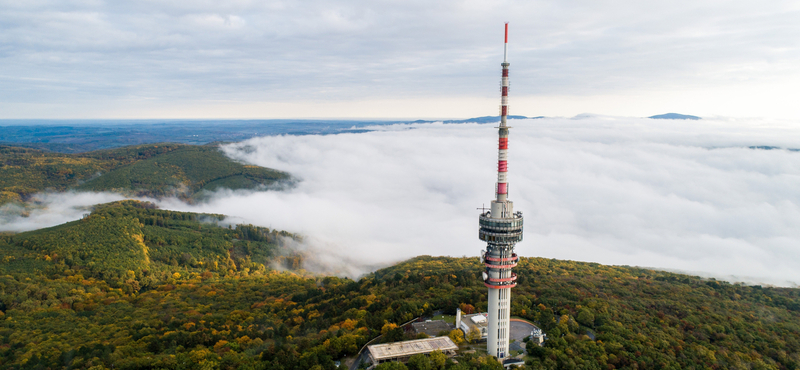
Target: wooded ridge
(155, 170)
(131, 286)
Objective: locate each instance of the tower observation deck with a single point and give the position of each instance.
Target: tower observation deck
(501, 229)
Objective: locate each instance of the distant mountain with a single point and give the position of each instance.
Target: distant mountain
(79, 136)
(488, 119)
(674, 116)
(769, 147)
(484, 119)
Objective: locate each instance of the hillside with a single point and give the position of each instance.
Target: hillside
(134, 243)
(154, 170)
(133, 287)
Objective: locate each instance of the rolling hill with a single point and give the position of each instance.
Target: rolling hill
(155, 170)
(131, 287)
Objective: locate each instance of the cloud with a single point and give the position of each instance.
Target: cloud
(51, 209)
(135, 59)
(677, 195)
(685, 195)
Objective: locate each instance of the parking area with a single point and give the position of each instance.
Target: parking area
(520, 330)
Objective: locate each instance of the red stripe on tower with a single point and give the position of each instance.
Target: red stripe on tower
(502, 166)
(503, 143)
(502, 188)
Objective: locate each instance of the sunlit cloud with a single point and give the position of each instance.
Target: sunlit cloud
(686, 195)
(693, 196)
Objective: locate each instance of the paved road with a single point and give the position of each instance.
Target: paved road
(361, 357)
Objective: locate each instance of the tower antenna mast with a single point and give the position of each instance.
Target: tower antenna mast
(501, 229)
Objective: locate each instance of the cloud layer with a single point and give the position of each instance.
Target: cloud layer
(51, 209)
(267, 59)
(685, 195)
(679, 195)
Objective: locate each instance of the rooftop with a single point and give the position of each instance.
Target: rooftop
(431, 328)
(477, 320)
(411, 347)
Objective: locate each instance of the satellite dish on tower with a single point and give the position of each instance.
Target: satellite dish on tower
(485, 275)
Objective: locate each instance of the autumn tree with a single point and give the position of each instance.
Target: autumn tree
(473, 335)
(438, 359)
(457, 336)
(392, 366)
(419, 362)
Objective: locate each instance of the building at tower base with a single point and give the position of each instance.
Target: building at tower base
(402, 351)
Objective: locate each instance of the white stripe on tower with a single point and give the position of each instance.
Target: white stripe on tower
(502, 160)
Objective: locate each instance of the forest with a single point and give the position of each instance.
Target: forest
(154, 170)
(131, 286)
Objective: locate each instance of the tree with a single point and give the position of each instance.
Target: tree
(457, 336)
(534, 350)
(391, 366)
(473, 336)
(387, 327)
(419, 362)
(438, 359)
(394, 335)
(585, 317)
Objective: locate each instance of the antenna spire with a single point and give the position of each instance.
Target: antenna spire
(505, 46)
(502, 163)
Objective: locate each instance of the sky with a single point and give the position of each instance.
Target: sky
(689, 196)
(396, 59)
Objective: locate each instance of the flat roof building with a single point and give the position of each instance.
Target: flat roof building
(478, 322)
(402, 351)
(431, 328)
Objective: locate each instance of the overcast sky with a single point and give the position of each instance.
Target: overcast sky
(396, 59)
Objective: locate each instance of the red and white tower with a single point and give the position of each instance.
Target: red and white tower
(501, 229)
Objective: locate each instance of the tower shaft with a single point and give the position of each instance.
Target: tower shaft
(501, 229)
(502, 158)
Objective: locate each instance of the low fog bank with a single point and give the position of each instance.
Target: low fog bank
(51, 209)
(680, 195)
(676, 195)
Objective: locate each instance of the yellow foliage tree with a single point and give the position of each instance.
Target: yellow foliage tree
(457, 336)
(473, 336)
(386, 327)
(350, 324)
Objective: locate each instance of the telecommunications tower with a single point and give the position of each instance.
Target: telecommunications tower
(501, 229)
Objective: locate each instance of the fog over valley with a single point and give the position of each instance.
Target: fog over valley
(715, 197)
